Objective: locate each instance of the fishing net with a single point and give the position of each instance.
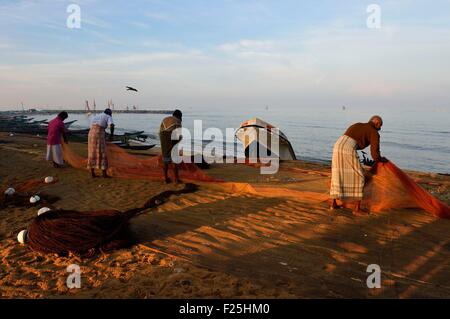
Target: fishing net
(125, 165)
(390, 188)
(23, 191)
(387, 187)
(87, 233)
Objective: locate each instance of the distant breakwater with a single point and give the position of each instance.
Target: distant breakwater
(49, 112)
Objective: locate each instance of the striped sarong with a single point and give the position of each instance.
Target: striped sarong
(55, 154)
(167, 145)
(347, 175)
(97, 148)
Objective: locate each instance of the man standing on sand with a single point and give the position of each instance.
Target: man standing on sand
(97, 158)
(168, 125)
(347, 175)
(56, 130)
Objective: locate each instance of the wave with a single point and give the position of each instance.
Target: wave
(414, 147)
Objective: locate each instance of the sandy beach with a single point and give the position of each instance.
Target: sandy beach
(262, 242)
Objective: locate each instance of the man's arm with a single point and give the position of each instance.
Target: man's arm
(375, 148)
(111, 129)
(65, 137)
(64, 133)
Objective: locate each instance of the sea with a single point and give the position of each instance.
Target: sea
(413, 138)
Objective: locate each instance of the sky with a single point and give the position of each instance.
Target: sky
(225, 53)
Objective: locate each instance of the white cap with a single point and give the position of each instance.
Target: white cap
(22, 236)
(43, 210)
(49, 179)
(34, 199)
(10, 191)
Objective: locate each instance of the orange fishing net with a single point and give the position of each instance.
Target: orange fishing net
(391, 188)
(388, 188)
(125, 165)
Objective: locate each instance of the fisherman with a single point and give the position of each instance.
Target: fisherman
(168, 125)
(56, 130)
(97, 158)
(347, 175)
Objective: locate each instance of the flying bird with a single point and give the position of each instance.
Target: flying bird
(129, 88)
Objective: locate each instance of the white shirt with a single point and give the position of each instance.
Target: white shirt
(103, 119)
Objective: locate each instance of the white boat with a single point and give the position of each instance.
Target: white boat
(248, 134)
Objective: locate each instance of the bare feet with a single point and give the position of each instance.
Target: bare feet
(334, 205)
(105, 175)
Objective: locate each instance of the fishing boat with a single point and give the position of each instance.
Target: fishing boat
(134, 146)
(24, 125)
(249, 134)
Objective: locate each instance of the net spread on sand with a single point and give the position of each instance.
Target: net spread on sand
(125, 165)
(87, 233)
(388, 188)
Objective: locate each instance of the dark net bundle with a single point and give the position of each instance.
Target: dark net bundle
(87, 233)
(125, 165)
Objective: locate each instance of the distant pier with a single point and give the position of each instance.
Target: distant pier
(48, 112)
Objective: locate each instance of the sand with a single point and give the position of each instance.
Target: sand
(262, 242)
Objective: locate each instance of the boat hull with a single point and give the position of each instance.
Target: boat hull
(255, 145)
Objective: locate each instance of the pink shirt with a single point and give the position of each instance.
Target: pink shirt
(55, 129)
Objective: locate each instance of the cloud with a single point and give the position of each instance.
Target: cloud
(159, 16)
(332, 62)
(5, 45)
(247, 45)
(141, 25)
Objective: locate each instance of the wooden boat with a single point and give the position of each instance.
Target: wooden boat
(24, 125)
(134, 147)
(249, 132)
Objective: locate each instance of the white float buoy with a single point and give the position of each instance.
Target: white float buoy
(11, 134)
(22, 236)
(10, 191)
(49, 179)
(34, 199)
(43, 210)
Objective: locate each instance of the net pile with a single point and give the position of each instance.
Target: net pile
(87, 233)
(125, 165)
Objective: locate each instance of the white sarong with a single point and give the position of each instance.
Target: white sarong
(55, 154)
